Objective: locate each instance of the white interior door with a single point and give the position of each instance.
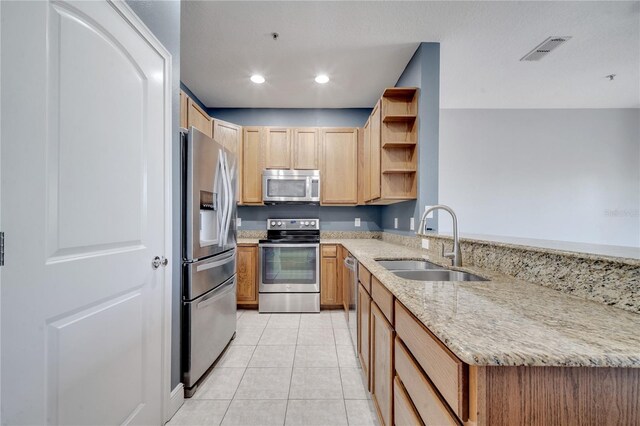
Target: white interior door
(85, 105)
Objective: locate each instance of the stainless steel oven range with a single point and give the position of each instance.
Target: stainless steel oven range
(290, 266)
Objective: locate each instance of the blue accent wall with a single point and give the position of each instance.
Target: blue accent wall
(423, 71)
(331, 218)
(192, 95)
(163, 19)
(291, 117)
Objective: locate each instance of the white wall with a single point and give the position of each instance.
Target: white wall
(555, 174)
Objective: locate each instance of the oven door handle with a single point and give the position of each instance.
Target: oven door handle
(269, 245)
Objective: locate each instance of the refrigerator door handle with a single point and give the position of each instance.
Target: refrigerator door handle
(229, 194)
(225, 213)
(221, 212)
(217, 263)
(217, 293)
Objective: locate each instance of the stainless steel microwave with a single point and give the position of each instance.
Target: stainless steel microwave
(291, 186)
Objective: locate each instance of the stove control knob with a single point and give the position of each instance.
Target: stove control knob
(279, 223)
(313, 223)
(273, 223)
(306, 223)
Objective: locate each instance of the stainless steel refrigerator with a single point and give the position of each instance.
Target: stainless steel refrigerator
(209, 175)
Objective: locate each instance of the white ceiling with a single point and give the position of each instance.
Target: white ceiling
(364, 47)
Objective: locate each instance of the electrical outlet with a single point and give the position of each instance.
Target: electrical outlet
(430, 215)
(357, 222)
(425, 243)
(239, 222)
(395, 223)
(412, 223)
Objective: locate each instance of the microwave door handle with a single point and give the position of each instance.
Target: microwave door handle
(309, 186)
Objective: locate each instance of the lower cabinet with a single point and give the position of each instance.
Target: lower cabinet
(404, 413)
(382, 335)
(247, 276)
(330, 282)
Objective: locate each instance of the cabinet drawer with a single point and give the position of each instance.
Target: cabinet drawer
(444, 369)
(364, 276)
(329, 250)
(404, 414)
(383, 298)
(424, 397)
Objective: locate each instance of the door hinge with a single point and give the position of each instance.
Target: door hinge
(1, 248)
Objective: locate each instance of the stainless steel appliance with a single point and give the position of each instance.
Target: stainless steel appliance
(208, 253)
(289, 266)
(291, 186)
(352, 266)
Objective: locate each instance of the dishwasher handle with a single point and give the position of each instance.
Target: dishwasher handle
(350, 263)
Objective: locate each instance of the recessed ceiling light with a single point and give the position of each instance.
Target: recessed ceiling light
(322, 79)
(257, 78)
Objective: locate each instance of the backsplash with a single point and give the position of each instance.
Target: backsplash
(603, 279)
(327, 235)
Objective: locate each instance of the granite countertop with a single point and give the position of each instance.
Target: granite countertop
(506, 321)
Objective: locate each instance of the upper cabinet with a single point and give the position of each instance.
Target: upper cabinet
(184, 101)
(306, 149)
(228, 134)
(198, 118)
(252, 165)
(339, 166)
(278, 148)
(391, 143)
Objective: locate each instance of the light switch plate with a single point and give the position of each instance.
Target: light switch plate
(425, 243)
(239, 222)
(357, 222)
(395, 223)
(430, 215)
(412, 224)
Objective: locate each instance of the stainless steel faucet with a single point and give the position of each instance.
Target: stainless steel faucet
(456, 254)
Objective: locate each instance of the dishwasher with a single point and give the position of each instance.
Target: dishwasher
(352, 266)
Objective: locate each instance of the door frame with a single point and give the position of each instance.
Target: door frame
(130, 16)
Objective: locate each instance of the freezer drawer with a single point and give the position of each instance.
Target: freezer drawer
(205, 275)
(209, 323)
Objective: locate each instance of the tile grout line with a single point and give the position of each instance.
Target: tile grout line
(344, 403)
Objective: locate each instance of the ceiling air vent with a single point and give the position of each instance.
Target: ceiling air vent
(544, 48)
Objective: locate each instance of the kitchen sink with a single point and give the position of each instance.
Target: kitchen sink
(408, 265)
(438, 275)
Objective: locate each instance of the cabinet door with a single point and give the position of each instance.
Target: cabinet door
(183, 109)
(199, 119)
(252, 142)
(330, 289)
(374, 153)
(364, 311)
(306, 149)
(228, 134)
(247, 279)
(278, 148)
(365, 162)
(339, 166)
(382, 336)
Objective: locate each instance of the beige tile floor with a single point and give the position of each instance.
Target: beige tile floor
(284, 369)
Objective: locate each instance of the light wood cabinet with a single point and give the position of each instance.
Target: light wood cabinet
(330, 285)
(252, 165)
(343, 253)
(198, 118)
(228, 134)
(404, 413)
(306, 149)
(339, 168)
(390, 147)
(184, 101)
(247, 275)
(364, 312)
(374, 155)
(277, 148)
(382, 336)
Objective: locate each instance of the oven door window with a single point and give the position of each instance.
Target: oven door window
(278, 188)
(289, 265)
